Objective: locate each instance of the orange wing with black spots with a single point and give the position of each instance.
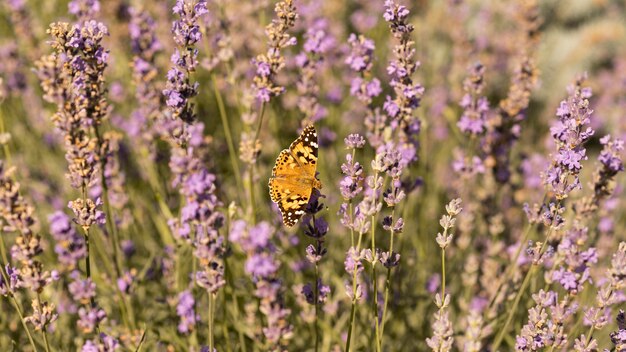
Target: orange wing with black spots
(293, 176)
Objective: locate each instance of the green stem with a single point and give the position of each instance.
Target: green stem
(258, 128)
(14, 300)
(211, 316)
(5, 147)
(110, 221)
(511, 268)
(3, 252)
(252, 196)
(387, 281)
(443, 270)
(509, 317)
(354, 288)
(251, 169)
(315, 299)
(519, 294)
(19, 312)
(229, 138)
(87, 262)
(43, 329)
(375, 284)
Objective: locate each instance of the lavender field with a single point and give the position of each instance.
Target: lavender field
(303, 175)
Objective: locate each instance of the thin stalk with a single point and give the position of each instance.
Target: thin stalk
(375, 285)
(211, 315)
(258, 128)
(110, 221)
(87, 262)
(387, 280)
(354, 284)
(443, 271)
(519, 294)
(315, 299)
(5, 259)
(229, 138)
(43, 329)
(509, 317)
(5, 146)
(252, 196)
(14, 300)
(592, 327)
(511, 268)
(19, 312)
(251, 170)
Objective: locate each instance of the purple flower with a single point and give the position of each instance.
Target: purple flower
(261, 265)
(361, 53)
(186, 313)
(569, 133)
(610, 157)
(269, 64)
(89, 318)
(82, 290)
(354, 141)
(9, 288)
(84, 9)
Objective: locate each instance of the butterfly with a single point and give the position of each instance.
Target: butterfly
(293, 176)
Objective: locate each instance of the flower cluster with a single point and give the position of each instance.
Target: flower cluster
(17, 216)
(504, 128)
(360, 60)
(84, 9)
(180, 88)
(268, 64)
(609, 294)
(317, 45)
(546, 320)
(146, 119)
(442, 338)
(70, 245)
(570, 133)
(475, 106)
(401, 69)
(75, 74)
(571, 263)
(262, 265)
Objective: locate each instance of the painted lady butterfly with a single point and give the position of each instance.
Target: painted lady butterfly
(293, 176)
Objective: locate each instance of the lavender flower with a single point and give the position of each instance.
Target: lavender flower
(619, 337)
(179, 88)
(82, 290)
(270, 63)
(186, 313)
(318, 43)
(10, 287)
(401, 69)
(569, 133)
(146, 121)
(475, 106)
(16, 215)
(89, 318)
(43, 315)
(262, 265)
(545, 327)
(360, 60)
(84, 9)
(104, 343)
(70, 246)
(442, 339)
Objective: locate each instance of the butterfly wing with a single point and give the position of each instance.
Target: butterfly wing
(292, 206)
(293, 165)
(284, 168)
(304, 150)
